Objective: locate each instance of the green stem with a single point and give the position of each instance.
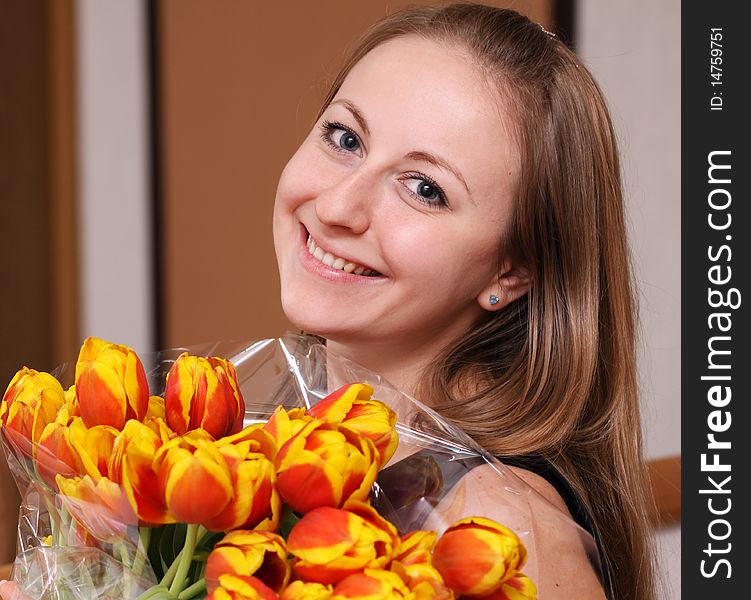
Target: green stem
(54, 518)
(193, 590)
(185, 559)
(144, 538)
(203, 534)
(66, 522)
(169, 576)
(125, 560)
(153, 592)
(123, 553)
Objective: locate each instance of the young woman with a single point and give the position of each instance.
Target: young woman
(454, 222)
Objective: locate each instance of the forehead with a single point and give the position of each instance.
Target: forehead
(430, 96)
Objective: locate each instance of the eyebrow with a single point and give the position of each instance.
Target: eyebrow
(350, 106)
(437, 161)
(419, 155)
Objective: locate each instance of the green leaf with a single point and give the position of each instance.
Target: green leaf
(288, 521)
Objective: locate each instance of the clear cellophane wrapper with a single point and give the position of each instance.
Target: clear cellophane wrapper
(438, 475)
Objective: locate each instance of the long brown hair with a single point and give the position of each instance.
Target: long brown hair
(552, 374)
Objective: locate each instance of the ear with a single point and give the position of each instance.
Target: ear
(512, 282)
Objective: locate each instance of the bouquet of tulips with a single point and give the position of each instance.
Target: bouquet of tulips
(197, 491)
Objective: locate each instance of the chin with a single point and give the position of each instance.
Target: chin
(333, 322)
(307, 317)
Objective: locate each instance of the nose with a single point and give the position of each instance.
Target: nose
(348, 203)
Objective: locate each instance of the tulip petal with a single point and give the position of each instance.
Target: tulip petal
(54, 454)
(246, 587)
(372, 584)
(283, 425)
(476, 555)
(133, 454)
(323, 535)
(142, 487)
(254, 497)
(306, 590)
(246, 552)
(415, 547)
(309, 484)
(93, 447)
(198, 485)
(336, 405)
(136, 385)
(203, 393)
(331, 543)
(519, 587)
(30, 402)
(101, 396)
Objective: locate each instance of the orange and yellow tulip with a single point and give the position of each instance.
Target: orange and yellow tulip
(203, 393)
(31, 402)
(93, 447)
(111, 384)
(372, 584)
(283, 424)
(96, 502)
(306, 590)
(415, 547)
(423, 580)
(99, 506)
(329, 543)
(476, 556)
(325, 464)
(519, 587)
(255, 502)
(132, 465)
(194, 477)
(237, 587)
(413, 563)
(254, 438)
(243, 552)
(71, 402)
(156, 409)
(352, 405)
(54, 453)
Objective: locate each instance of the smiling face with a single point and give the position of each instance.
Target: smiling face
(388, 219)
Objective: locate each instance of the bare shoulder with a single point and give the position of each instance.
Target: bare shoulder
(541, 485)
(560, 553)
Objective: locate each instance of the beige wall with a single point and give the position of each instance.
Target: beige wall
(633, 49)
(241, 82)
(115, 218)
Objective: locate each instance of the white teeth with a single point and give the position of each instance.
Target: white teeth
(338, 263)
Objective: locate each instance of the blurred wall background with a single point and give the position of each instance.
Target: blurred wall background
(633, 50)
(141, 143)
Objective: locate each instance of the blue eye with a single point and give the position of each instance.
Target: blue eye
(348, 141)
(427, 191)
(424, 189)
(339, 137)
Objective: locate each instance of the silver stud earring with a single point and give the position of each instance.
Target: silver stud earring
(494, 299)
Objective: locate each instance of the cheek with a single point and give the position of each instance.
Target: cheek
(288, 198)
(303, 177)
(457, 261)
(290, 186)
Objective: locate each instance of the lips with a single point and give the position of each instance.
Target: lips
(338, 263)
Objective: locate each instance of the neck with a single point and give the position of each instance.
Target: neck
(400, 368)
